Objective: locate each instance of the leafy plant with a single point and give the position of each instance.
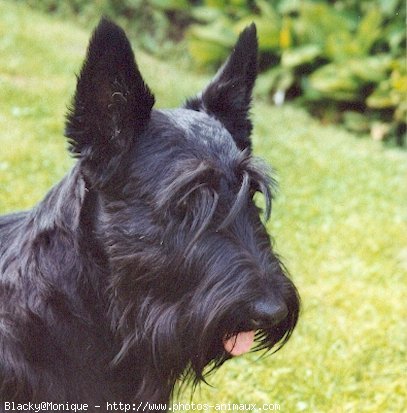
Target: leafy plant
(343, 57)
(344, 60)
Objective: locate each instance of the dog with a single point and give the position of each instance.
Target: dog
(149, 263)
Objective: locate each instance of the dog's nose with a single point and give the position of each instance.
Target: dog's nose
(268, 313)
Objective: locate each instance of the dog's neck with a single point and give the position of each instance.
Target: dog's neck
(61, 208)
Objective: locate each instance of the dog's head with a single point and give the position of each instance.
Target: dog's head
(193, 277)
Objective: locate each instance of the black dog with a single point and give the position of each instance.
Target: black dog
(148, 262)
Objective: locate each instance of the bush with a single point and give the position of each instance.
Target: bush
(156, 24)
(344, 59)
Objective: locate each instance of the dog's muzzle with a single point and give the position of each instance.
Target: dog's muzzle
(265, 315)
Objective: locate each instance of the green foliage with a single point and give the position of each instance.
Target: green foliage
(336, 56)
(157, 23)
(341, 56)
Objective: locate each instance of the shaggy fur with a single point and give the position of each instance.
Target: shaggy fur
(136, 267)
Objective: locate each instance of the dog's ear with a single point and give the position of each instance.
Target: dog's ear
(112, 104)
(228, 96)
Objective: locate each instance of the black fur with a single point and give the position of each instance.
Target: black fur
(228, 96)
(131, 272)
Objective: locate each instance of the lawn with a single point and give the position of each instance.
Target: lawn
(339, 222)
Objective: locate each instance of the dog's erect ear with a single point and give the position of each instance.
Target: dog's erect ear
(228, 96)
(112, 104)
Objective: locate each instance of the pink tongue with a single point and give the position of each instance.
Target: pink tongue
(239, 343)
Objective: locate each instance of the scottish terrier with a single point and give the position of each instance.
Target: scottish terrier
(149, 262)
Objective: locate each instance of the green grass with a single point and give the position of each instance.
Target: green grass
(340, 223)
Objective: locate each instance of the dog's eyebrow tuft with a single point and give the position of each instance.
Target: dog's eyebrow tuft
(199, 179)
(191, 174)
(255, 176)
